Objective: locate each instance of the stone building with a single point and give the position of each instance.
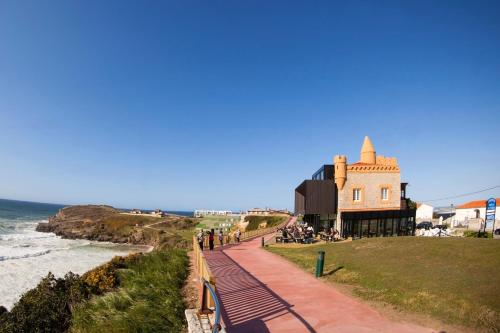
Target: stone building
(362, 199)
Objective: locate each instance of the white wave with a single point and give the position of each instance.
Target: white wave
(27, 236)
(26, 255)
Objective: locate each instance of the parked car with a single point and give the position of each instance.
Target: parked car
(425, 225)
(496, 234)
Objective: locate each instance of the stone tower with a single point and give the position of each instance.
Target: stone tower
(340, 163)
(368, 154)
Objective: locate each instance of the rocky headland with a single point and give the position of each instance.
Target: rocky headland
(108, 224)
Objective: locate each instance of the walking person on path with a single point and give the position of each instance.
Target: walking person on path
(201, 239)
(221, 238)
(211, 239)
(238, 234)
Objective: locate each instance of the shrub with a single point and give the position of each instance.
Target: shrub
(471, 233)
(105, 277)
(47, 307)
(101, 278)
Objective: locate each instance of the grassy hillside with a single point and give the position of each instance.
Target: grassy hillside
(149, 298)
(254, 221)
(455, 280)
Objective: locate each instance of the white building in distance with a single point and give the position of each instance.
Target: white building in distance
(207, 212)
(472, 214)
(425, 212)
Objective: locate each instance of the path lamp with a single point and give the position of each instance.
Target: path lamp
(320, 263)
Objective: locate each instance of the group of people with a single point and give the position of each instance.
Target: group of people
(332, 234)
(296, 233)
(304, 234)
(200, 237)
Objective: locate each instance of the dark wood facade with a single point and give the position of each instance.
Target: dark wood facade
(317, 197)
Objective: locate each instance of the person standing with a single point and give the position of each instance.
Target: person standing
(201, 239)
(238, 235)
(221, 238)
(211, 239)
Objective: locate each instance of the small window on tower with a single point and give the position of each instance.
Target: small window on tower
(385, 193)
(356, 194)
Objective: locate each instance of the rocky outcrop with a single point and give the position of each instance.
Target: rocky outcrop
(105, 223)
(78, 221)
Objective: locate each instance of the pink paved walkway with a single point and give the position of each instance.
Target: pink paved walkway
(262, 292)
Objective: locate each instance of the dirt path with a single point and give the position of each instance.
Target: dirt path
(150, 226)
(262, 292)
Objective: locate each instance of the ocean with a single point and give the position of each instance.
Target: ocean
(27, 255)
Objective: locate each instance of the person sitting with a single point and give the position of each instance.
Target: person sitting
(284, 237)
(336, 235)
(279, 235)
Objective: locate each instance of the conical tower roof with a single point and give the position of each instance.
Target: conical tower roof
(368, 151)
(367, 146)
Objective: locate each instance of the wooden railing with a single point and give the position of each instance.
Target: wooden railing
(205, 274)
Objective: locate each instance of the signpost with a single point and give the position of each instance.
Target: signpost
(491, 207)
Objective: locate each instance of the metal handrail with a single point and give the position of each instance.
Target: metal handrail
(216, 326)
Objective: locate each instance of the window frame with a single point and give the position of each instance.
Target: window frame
(384, 190)
(356, 198)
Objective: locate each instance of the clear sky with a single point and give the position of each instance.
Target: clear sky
(231, 104)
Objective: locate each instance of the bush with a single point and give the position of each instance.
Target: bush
(101, 279)
(470, 233)
(47, 307)
(105, 277)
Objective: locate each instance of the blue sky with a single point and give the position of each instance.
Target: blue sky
(231, 104)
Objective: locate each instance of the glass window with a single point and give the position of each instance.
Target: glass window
(385, 193)
(356, 194)
(364, 228)
(389, 227)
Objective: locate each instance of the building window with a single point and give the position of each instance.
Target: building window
(384, 192)
(356, 194)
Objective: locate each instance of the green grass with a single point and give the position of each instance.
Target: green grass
(456, 280)
(271, 221)
(209, 222)
(149, 298)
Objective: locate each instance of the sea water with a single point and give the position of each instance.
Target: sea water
(27, 255)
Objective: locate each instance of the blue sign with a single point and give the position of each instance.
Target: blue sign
(491, 207)
(491, 204)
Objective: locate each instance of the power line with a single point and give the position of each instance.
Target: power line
(463, 195)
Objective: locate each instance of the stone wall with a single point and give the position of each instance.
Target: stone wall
(371, 185)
